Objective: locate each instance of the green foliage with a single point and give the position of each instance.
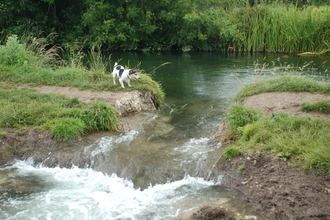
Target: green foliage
(321, 106)
(67, 128)
(14, 52)
(281, 26)
(3, 134)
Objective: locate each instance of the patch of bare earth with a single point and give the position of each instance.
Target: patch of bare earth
(285, 102)
(275, 190)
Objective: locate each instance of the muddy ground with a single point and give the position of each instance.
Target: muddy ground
(274, 190)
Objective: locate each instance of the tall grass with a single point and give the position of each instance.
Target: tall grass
(279, 28)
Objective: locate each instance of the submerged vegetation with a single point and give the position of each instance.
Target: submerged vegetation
(301, 141)
(289, 26)
(29, 63)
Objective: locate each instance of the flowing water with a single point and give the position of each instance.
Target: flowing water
(157, 170)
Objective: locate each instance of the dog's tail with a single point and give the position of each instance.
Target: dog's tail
(115, 64)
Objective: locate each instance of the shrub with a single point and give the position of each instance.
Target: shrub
(14, 52)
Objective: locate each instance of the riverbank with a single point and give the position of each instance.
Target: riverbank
(21, 143)
(275, 188)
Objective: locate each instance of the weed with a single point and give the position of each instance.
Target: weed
(3, 133)
(231, 152)
(241, 168)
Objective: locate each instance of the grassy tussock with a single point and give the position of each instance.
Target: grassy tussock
(301, 141)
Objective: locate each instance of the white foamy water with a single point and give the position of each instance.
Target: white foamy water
(106, 144)
(59, 193)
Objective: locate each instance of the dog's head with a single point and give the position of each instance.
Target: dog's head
(134, 74)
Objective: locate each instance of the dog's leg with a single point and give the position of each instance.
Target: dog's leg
(121, 83)
(114, 73)
(114, 78)
(128, 82)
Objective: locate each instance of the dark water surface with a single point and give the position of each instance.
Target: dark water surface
(156, 170)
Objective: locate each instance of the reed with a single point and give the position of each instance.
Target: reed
(280, 28)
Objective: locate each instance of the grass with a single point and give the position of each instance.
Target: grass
(65, 118)
(29, 63)
(288, 83)
(321, 106)
(301, 141)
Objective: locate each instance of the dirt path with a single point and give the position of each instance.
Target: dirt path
(285, 102)
(125, 102)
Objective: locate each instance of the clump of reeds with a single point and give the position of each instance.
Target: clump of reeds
(279, 28)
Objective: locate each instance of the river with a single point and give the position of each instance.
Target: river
(156, 170)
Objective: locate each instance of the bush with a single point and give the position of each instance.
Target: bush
(15, 53)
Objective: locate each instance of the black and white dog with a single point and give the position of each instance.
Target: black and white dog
(124, 75)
